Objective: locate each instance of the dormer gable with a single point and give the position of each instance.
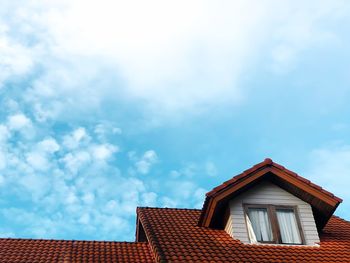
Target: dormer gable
(216, 208)
(275, 214)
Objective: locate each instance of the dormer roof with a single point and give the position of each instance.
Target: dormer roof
(323, 202)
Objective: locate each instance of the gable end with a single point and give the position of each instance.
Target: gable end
(323, 202)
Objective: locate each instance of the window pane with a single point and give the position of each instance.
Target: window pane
(261, 224)
(288, 226)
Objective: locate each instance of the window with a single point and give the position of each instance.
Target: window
(273, 224)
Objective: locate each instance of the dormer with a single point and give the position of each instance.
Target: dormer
(269, 204)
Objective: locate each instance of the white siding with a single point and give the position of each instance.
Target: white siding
(268, 193)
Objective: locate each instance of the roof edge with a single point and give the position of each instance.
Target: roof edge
(158, 255)
(266, 163)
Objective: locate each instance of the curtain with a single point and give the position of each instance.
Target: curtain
(288, 226)
(260, 223)
(251, 233)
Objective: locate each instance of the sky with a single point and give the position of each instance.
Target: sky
(110, 105)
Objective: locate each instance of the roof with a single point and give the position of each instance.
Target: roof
(323, 202)
(188, 235)
(175, 236)
(62, 251)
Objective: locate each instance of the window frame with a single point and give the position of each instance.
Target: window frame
(272, 215)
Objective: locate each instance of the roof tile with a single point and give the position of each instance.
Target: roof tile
(192, 243)
(64, 251)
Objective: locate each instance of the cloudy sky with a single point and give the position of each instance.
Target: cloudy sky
(109, 105)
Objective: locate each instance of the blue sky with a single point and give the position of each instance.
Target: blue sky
(109, 105)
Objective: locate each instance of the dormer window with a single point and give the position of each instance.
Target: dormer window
(273, 224)
(285, 208)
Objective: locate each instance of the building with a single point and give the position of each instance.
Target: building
(265, 214)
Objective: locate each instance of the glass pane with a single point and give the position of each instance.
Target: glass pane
(260, 223)
(288, 226)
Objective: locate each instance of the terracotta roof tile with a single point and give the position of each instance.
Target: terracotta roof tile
(64, 251)
(176, 237)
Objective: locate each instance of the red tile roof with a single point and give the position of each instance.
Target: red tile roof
(64, 251)
(175, 236)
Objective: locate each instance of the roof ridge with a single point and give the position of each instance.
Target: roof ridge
(36, 239)
(70, 240)
(167, 208)
(342, 219)
(152, 238)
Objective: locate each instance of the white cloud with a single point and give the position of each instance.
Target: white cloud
(49, 145)
(71, 198)
(36, 185)
(74, 189)
(38, 226)
(182, 193)
(141, 45)
(84, 219)
(199, 196)
(74, 161)
(16, 59)
(88, 198)
(144, 164)
(73, 140)
(39, 157)
(295, 35)
(37, 160)
(43, 113)
(18, 121)
(68, 178)
(170, 65)
(111, 206)
(103, 151)
(104, 129)
(191, 170)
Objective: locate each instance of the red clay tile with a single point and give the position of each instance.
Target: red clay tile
(192, 243)
(64, 251)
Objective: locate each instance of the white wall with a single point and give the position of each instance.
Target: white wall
(268, 193)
